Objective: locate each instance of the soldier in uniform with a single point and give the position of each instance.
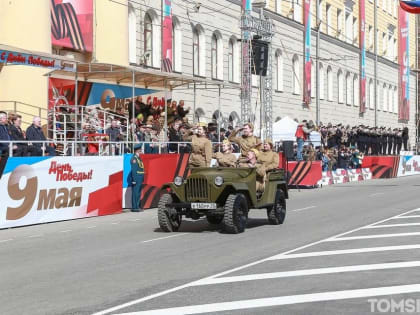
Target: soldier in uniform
(269, 159)
(252, 162)
(137, 176)
(384, 140)
(390, 138)
(246, 142)
(201, 149)
(399, 141)
(225, 158)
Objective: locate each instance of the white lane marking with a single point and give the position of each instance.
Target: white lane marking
(392, 225)
(33, 236)
(364, 237)
(283, 300)
(91, 227)
(163, 238)
(178, 288)
(346, 251)
(309, 272)
(8, 240)
(407, 217)
(65, 231)
(135, 220)
(115, 223)
(306, 208)
(377, 194)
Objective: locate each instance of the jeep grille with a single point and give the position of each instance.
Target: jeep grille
(197, 188)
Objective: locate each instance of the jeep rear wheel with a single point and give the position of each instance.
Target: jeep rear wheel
(236, 214)
(214, 218)
(169, 218)
(277, 212)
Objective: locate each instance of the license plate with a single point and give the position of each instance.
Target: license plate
(204, 206)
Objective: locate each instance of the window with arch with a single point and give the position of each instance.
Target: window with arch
(385, 98)
(340, 80)
(176, 45)
(390, 99)
(356, 90)
(279, 70)
(321, 81)
(296, 75)
(233, 60)
(329, 83)
(199, 51)
(152, 40)
(349, 85)
(148, 39)
(371, 95)
(132, 34)
(216, 56)
(395, 96)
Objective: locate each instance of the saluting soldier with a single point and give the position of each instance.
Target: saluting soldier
(269, 159)
(246, 142)
(137, 177)
(226, 158)
(201, 149)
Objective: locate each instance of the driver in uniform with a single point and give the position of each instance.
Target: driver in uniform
(225, 158)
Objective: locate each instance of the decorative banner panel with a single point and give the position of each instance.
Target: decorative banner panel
(167, 60)
(404, 65)
(307, 86)
(362, 39)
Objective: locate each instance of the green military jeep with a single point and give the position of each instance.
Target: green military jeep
(222, 195)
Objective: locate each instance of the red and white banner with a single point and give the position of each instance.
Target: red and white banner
(404, 65)
(167, 62)
(307, 67)
(42, 189)
(362, 30)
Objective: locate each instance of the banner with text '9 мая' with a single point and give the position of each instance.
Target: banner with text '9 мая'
(404, 66)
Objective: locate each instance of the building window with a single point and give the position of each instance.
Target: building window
(356, 90)
(176, 45)
(348, 88)
(355, 31)
(328, 24)
(395, 100)
(349, 28)
(321, 15)
(199, 52)
(148, 40)
(378, 98)
(214, 56)
(279, 70)
(233, 60)
(390, 99)
(231, 56)
(296, 75)
(278, 6)
(384, 42)
(370, 35)
(297, 10)
(132, 35)
(329, 84)
(321, 81)
(340, 34)
(313, 79)
(371, 95)
(340, 79)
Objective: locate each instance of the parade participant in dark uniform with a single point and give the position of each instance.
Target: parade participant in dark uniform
(405, 138)
(390, 138)
(394, 148)
(353, 136)
(383, 141)
(399, 141)
(137, 176)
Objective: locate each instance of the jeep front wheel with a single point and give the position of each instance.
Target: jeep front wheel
(169, 218)
(277, 212)
(236, 214)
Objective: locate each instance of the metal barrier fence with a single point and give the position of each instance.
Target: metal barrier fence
(89, 148)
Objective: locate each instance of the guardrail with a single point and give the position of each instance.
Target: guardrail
(90, 148)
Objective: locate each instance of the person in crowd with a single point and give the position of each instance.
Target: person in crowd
(114, 134)
(399, 141)
(4, 134)
(356, 158)
(19, 149)
(268, 158)
(182, 112)
(223, 134)
(34, 133)
(212, 133)
(325, 160)
(201, 149)
(302, 134)
(405, 138)
(225, 158)
(390, 140)
(246, 142)
(137, 177)
(174, 136)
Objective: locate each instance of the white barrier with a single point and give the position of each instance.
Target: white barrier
(341, 176)
(409, 165)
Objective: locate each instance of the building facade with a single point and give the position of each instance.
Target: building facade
(206, 44)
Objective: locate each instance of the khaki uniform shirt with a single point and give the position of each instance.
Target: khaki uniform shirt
(269, 159)
(201, 152)
(245, 143)
(225, 159)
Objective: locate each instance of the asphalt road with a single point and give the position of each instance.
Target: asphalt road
(342, 250)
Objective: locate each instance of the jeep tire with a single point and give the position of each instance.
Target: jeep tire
(169, 219)
(277, 212)
(214, 218)
(236, 214)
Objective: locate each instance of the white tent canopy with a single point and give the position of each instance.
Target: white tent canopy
(285, 130)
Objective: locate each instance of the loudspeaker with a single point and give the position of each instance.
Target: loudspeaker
(288, 150)
(259, 57)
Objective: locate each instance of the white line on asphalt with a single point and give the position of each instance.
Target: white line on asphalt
(392, 225)
(407, 217)
(163, 238)
(377, 194)
(283, 300)
(363, 237)
(8, 240)
(135, 220)
(309, 272)
(115, 223)
(91, 227)
(65, 231)
(178, 288)
(345, 251)
(38, 235)
(307, 208)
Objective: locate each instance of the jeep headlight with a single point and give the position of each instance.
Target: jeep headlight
(178, 181)
(218, 180)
